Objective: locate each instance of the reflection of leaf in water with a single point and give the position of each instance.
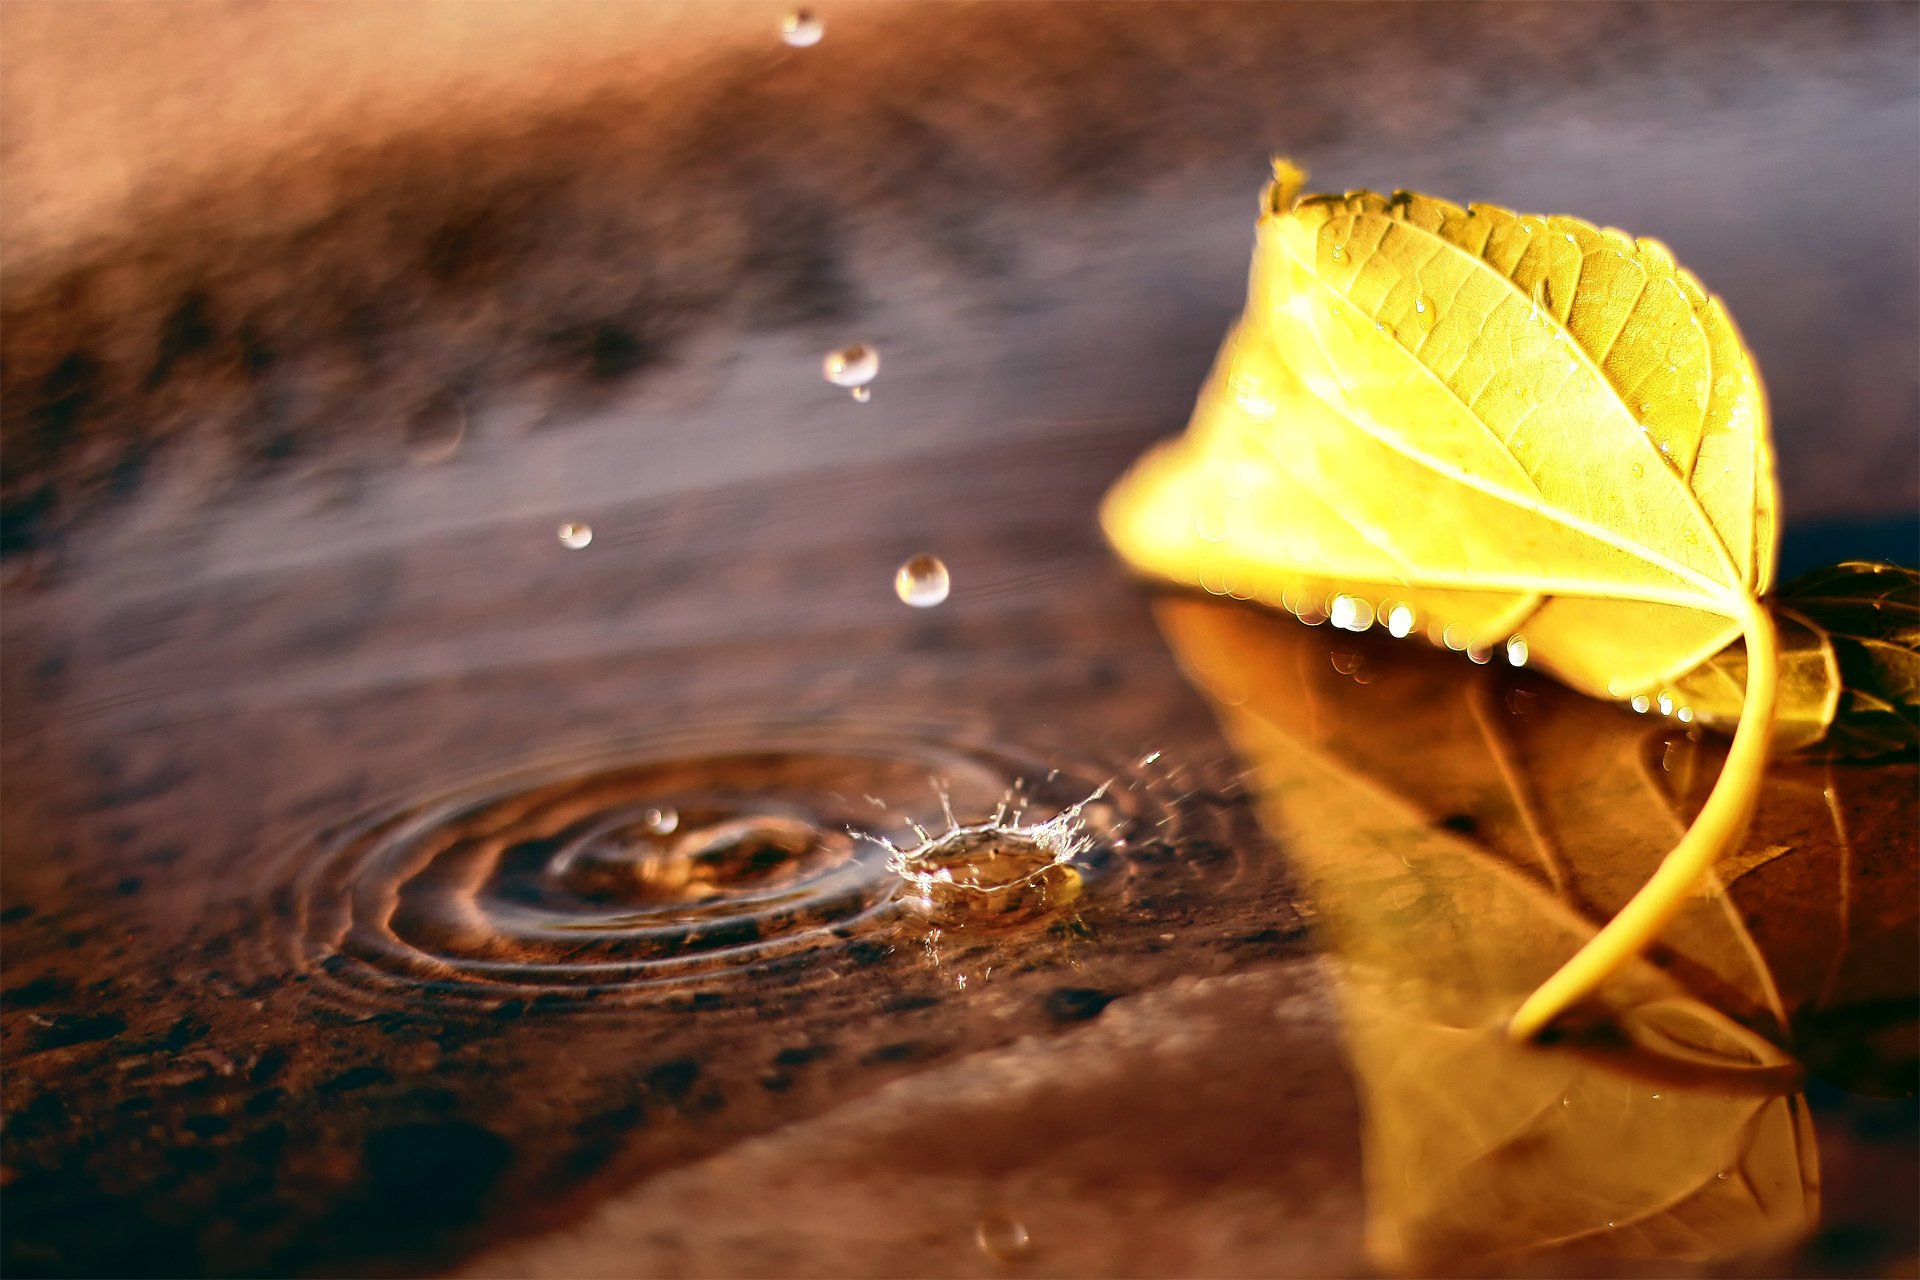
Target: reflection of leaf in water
(1457, 837)
(1849, 664)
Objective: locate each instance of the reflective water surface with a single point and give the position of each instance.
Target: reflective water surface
(475, 800)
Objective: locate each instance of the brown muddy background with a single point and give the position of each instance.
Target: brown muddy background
(316, 320)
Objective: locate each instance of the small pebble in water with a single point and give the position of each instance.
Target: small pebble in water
(1001, 1238)
(801, 30)
(853, 366)
(922, 581)
(574, 535)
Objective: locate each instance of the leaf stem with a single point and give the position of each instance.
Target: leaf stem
(1722, 821)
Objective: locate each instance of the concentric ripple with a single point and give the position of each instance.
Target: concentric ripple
(648, 875)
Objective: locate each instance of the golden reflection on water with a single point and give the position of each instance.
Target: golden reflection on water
(1459, 833)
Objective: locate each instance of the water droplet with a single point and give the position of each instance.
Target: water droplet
(1251, 396)
(1424, 308)
(574, 535)
(801, 30)
(1641, 702)
(861, 394)
(1685, 715)
(1666, 704)
(1400, 622)
(1453, 637)
(1001, 1238)
(853, 366)
(1688, 535)
(660, 822)
(1350, 613)
(1479, 653)
(1517, 651)
(922, 581)
(1570, 239)
(1638, 471)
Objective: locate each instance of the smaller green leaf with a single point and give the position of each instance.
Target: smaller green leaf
(1849, 664)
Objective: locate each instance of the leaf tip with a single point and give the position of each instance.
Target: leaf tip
(1288, 179)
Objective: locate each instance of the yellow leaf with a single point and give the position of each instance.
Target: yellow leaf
(1454, 841)
(1509, 426)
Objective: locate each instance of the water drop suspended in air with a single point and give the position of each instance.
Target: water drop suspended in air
(575, 534)
(922, 581)
(853, 366)
(801, 30)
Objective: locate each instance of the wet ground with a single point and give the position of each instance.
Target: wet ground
(326, 763)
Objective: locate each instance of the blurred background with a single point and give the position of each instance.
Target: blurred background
(317, 320)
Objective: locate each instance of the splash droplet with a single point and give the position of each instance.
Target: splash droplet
(801, 30)
(922, 581)
(1641, 702)
(1400, 622)
(1517, 651)
(1666, 704)
(575, 534)
(853, 366)
(1685, 715)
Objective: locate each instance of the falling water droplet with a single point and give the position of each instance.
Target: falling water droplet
(1517, 651)
(575, 534)
(1001, 1238)
(922, 581)
(853, 366)
(801, 30)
